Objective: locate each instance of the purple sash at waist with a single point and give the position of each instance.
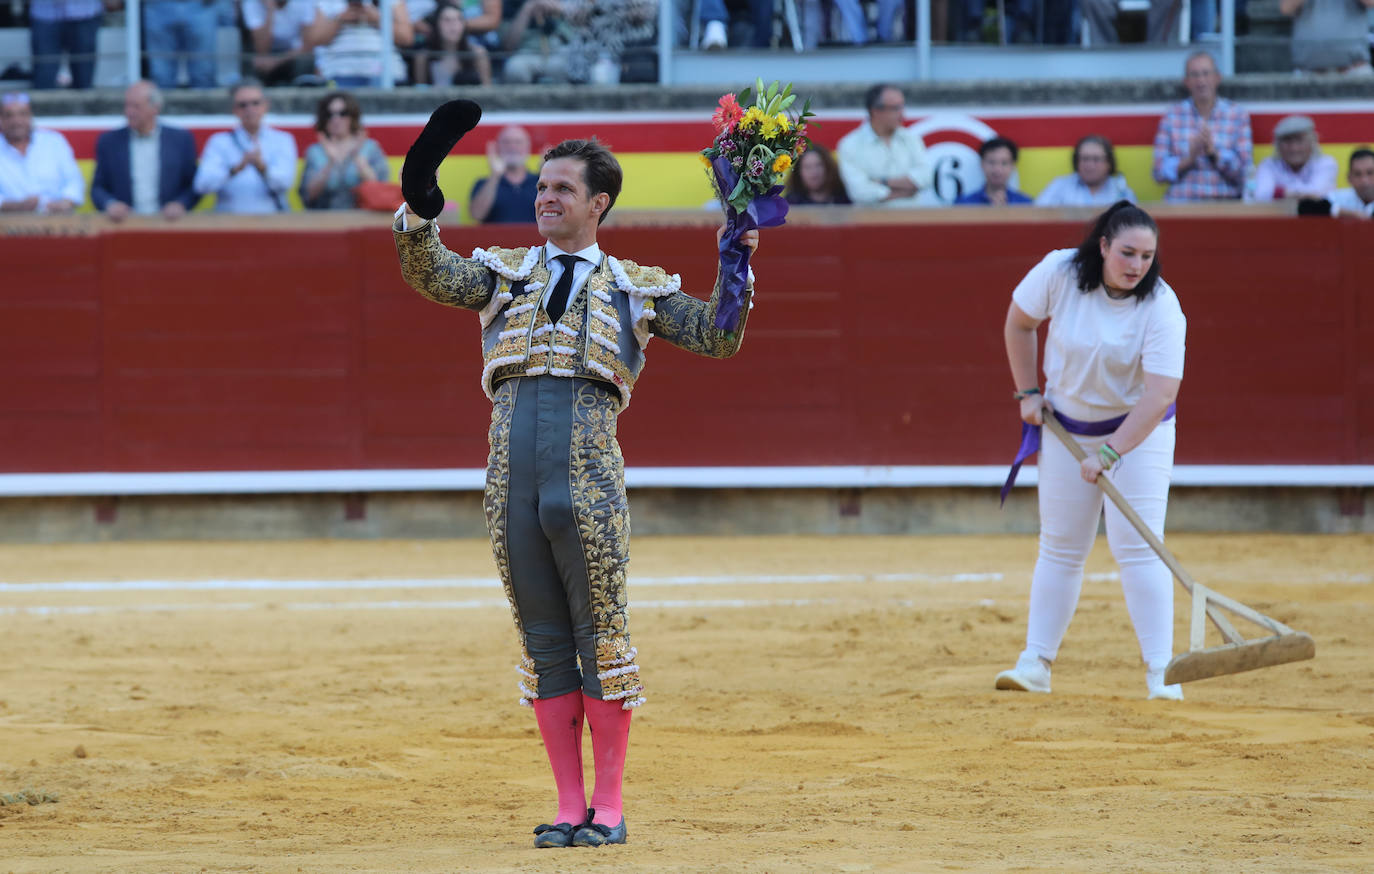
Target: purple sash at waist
(1030, 438)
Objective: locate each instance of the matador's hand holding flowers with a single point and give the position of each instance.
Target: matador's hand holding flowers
(756, 143)
(748, 238)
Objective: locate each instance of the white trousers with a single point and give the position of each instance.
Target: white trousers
(1069, 512)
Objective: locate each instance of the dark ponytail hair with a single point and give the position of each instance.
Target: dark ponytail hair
(1088, 260)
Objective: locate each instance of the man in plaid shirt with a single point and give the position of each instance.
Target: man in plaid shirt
(1202, 147)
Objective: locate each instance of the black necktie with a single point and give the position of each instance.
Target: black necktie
(558, 301)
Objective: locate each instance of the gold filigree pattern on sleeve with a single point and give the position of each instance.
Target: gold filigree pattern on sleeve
(689, 323)
(596, 476)
(440, 275)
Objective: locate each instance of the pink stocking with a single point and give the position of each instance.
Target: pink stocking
(560, 725)
(610, 725)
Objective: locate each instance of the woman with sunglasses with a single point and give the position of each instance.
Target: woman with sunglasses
(343, 157)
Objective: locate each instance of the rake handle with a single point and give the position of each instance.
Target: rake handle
(1119, 499)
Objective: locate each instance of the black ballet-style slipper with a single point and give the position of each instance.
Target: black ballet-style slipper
(419, 179)
(592, 834)
(560, 834)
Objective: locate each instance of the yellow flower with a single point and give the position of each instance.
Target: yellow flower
(768, 127)
(705, 160)
(783, 123)
(752, 117)
(781, 163)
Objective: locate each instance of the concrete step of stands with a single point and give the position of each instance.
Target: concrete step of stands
(1266, 19)
(1264, 54)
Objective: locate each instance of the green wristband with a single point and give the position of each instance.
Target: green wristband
(1025, 393)
(1108, 456)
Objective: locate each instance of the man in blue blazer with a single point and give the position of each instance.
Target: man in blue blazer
(146, 168)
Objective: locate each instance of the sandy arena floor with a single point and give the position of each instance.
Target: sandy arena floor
(815, 704)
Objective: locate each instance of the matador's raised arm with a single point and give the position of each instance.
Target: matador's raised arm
(440, 274)
(690, 323)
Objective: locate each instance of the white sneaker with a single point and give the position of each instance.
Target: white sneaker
(1031, 674)
(713, 36)
(1154, 682)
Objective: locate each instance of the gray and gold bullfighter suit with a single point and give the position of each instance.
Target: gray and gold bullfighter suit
(555, 487)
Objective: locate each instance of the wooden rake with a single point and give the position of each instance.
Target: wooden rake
(1237, 654)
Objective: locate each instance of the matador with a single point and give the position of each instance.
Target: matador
(564, 329)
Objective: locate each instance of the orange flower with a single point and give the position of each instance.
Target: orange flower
(782, 163)
(728, 113)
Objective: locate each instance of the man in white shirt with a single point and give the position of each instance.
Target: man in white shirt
(883, 163)
(1358, 199)
(1297, 169)
(38, 171)
(252, 167)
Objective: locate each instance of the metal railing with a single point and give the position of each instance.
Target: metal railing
(923, 51)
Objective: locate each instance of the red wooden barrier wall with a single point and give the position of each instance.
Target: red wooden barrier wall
(261, 350)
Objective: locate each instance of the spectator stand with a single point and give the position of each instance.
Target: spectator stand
(924, 60)
(930, 62)
(119, 50)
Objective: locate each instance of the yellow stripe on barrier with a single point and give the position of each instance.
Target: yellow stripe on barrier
(677, 180)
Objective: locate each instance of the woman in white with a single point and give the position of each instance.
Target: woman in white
(1113, 364)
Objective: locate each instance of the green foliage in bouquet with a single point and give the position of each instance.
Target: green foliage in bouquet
(759, 141)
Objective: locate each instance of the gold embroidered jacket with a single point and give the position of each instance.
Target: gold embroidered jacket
(601, 336)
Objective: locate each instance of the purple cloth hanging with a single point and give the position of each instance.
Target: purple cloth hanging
(1030, 438)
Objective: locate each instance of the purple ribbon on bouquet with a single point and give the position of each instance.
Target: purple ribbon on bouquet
(1030, 438)
(768, 211)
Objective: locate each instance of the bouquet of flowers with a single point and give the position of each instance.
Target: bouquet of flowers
(756, 143)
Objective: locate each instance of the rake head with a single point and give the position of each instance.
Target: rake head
(1233, 658)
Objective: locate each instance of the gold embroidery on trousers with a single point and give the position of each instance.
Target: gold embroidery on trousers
(596, 475)
(495, 504)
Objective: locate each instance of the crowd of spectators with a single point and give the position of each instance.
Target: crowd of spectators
(151, 168)
(339, 42)
(1202, 152)
(469, 42)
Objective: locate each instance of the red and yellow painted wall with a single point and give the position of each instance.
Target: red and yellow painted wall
(658, 150)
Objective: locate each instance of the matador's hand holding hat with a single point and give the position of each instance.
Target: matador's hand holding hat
(419, 182)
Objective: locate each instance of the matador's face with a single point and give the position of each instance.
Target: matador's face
(564, 208)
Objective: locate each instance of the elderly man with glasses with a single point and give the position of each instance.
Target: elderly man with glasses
(1297, 169)
(250, 168)
(883, 163)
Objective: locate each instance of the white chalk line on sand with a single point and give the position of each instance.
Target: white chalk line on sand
(264, 585)
(480, 604)
(460, 583)
(439, 584)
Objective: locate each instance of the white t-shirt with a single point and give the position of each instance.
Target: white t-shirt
(1346, 198)
(1099, 349)
(288, 22)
